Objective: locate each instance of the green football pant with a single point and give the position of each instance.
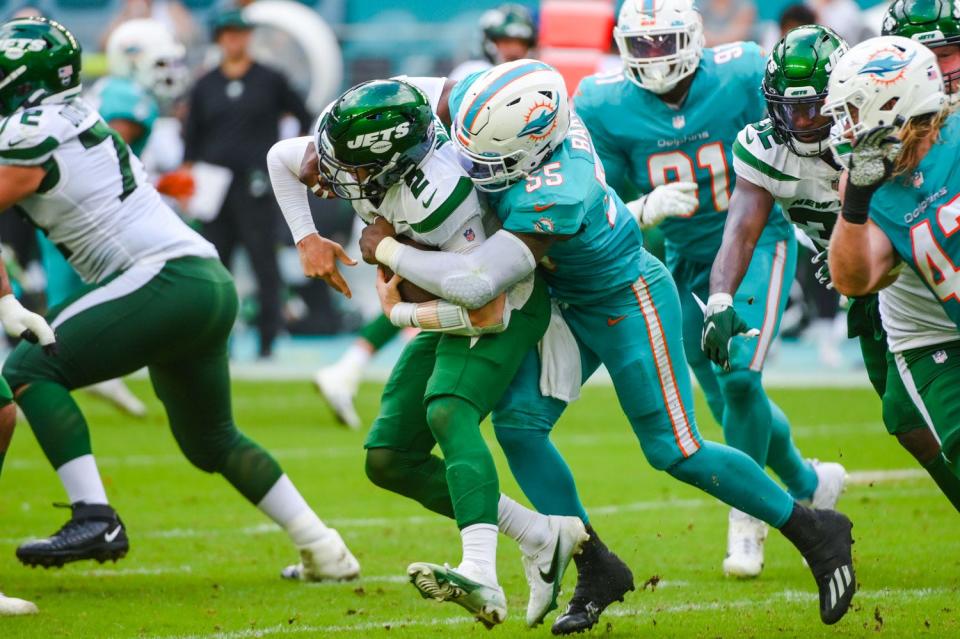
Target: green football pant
(440, 389)
(174, 318)
(932, 377)
(8, 419)
(378, 332)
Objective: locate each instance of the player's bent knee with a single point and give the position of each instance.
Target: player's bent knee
(740, 384)
(920, 443)
(520, 440)
(384, 468)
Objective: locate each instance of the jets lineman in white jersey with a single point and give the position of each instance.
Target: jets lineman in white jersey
(159, 298)
(381, 147)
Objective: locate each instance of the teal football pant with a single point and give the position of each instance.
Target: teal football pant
(636, 334)
(751, 421)
(174, 318)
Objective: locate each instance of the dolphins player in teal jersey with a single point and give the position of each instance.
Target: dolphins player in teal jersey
(535, 159)
(666, 124)
(900, 206)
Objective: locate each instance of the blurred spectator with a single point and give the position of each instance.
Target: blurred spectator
(171, 13)
(27, 11)
(509, 33)
(234, 112)
(843, 16)
(796, 16)
(727, 20)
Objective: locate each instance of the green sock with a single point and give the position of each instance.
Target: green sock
(471, 473)
(379, 331)
(735, 479)
(56, 420)
(942, 473)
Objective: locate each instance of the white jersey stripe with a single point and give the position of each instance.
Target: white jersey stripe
(672, 400)
(129, 281)
(774, 292)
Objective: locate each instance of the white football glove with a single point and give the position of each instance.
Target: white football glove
(667, 200)
(19, 322)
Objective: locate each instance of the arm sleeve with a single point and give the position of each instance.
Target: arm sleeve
(191, 130)
(283, 164)
(291, 102)
(465, 279)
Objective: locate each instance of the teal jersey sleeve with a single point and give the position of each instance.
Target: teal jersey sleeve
(920, 215)
(122, 99)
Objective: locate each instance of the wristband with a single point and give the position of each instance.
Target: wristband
(388, 252)
(719, 300)
(404, 315)
(856, 204)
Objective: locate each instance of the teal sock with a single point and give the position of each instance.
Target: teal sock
(939, 470)
(735, 479)
(471, 473)
(785, 459)
(541, 471)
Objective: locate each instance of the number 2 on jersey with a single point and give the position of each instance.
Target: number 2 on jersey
(673, 166)
(98, 133)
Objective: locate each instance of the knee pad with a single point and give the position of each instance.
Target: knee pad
(739, 384)
(920, 443)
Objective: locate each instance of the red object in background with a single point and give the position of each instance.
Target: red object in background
(574, 35)
(177, 184)
(576, 24)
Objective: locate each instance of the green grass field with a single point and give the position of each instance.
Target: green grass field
(204, 563)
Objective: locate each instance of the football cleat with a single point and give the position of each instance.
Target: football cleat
(602, 578)
(832, 480)
(327, 559)
(487, 603)
(117, 393)
(545, 568)
(11, 606)
(94, 531)
(824, 539)
(338, 391)
(745, 538)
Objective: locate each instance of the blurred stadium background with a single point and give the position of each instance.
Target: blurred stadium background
(325, 46)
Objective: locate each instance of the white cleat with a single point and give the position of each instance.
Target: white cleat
(745, 538)
(117, 393)
(832, 479)
(327, 559)
(339, 392)
(486, 603)
(11, 606)
(544, 569)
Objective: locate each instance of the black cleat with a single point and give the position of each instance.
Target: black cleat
(824, 539)
(93, 532)
(602, 578)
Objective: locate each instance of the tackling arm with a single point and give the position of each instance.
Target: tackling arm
(861, 258)
(746, 218)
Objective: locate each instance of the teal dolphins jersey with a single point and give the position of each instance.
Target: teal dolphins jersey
(602, 246)
(643, 142)
(920, 214)
(123, 99)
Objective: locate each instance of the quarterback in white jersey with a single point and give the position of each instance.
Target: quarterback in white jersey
(786, 158)
(159, 298)
(381, 146)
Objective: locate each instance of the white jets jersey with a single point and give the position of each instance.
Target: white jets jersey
(95, 202)
(806, 190)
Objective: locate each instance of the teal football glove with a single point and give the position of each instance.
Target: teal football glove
(720, 325)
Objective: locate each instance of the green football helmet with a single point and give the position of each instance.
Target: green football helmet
(934, 23)
(39, 63)
(506, 21)
(372, 135)
(795, 86)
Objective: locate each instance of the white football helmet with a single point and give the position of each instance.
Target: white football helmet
(660, 42)
(883, 81)
(144, 51)
(509, 121)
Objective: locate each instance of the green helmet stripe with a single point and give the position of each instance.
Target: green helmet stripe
(460, 193)
(741, 153)
(30, 152)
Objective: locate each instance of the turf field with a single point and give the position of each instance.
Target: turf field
(205, 564)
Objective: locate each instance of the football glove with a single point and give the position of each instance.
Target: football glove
(871, 163)
(823, 272)
(720, 325)
(19, 322)
(667, 200)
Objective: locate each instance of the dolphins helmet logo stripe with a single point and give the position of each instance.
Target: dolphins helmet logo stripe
(486, 94)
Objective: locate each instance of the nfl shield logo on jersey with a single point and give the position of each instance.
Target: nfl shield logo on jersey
(679, 121)
(940, 357)
(469, 235)
(918, 179)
